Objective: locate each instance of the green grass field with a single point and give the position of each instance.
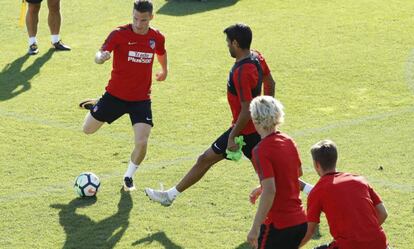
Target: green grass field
(344, 70)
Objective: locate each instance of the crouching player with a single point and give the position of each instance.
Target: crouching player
(353, 210)
(280, 221)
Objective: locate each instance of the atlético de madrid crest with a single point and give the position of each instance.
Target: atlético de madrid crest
(152, 43)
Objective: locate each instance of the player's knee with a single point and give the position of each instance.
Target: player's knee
(33, 9)
(204, 161)
(54, 7)
(141, 143)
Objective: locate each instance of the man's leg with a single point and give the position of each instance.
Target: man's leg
(32, 19)
(202, 165)
(91, 125)
(141, 135)
(54, 20)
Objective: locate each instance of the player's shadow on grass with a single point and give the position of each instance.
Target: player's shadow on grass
(82, 232)
(189, 7)
(14, 81)
(161, 238)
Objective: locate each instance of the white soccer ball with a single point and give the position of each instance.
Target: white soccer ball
(86, 184)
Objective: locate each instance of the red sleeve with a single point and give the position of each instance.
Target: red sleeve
(314, 207)
(244, 80)
(376, 199)
(262, 163)
(160, 44)
(265, 67)
(263, 64)
(111, 41)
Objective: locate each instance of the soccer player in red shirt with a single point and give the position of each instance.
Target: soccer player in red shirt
(280, 220)
(244, 83)
(354, 211)
(134, 47)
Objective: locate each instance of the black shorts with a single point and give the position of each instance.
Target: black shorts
(220, 145)
(110, 108)
(34, 1)
(286, 238)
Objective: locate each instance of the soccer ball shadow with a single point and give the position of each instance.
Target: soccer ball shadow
(83, 232)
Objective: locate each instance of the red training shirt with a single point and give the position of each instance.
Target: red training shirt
(133, 56)
(245, 79)
(349, 205)
(277, 156)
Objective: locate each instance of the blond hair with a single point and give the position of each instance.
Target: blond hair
(267, 112)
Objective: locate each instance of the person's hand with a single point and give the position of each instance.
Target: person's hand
(102, 56)
(161, 75)
(255, 194)
(231, 145)
(252, 237)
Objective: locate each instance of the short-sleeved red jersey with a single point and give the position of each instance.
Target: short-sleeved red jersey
(133, 56)
(277, 156)
(244, 83)
(349, 205)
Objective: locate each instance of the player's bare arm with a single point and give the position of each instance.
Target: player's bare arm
(266, 201)
(309, 233)
(102, 56)
(269, 85)
(241, 122)
(382, 213)
(162, 75)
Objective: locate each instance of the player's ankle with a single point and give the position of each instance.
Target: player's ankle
(173, 193)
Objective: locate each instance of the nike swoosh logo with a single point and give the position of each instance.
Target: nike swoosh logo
(215, 145)
(148, 119)
(131, 43)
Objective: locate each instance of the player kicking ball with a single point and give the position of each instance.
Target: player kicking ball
(134, 47)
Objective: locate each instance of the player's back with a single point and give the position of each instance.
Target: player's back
(349, 205)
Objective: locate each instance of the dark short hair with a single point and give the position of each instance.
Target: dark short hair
(325, 153)
(143, 6)
(241, 33)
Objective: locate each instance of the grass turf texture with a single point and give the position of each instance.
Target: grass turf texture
(344, 71)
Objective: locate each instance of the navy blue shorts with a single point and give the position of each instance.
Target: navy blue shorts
(286, 238)
(110, 108)
(34, 1)
(220, 145)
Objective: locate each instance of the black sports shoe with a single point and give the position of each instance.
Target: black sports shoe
(129, 184)
(59, 46)
(88, 104)
(33, 49)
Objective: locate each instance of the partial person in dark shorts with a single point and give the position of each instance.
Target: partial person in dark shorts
(128, 91)
(54, 21)
(280, 221)
(220, 145)
(246, 79)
